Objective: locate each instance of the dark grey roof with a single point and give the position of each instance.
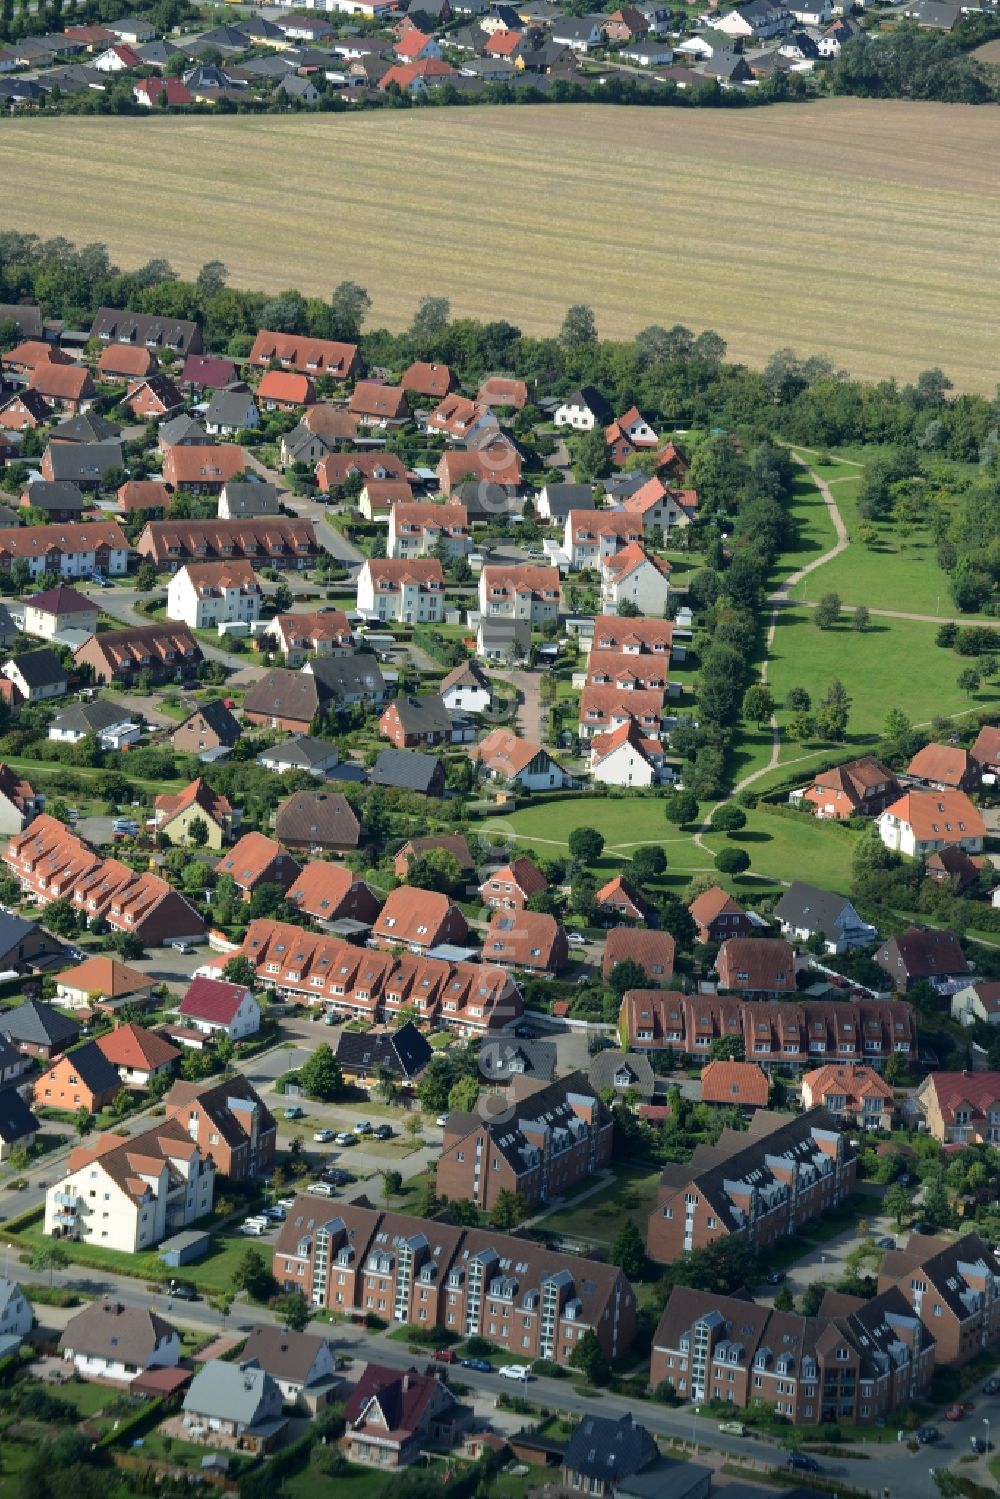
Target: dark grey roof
(249, 499)
(230, 408)
(16, 1119)
(348, 676)
(84, 462)
(406, 769)
(39, 668)
(317, 818)
(231, 1392)
(607, 1449)
(487, 501)
(115, 326)
(184, 429)
(403, 1053)
(608, 1069)
(501, 634)
(422, 715)
(502, 1058)
(13, 929)
(59, 495)
(563, 498)
(298, 88)
(812, 909)
(666, 1477)
(587, 396)
(620, 486)
(284, 1355)
(301, 750)
(97, 1072)
(35, 1023)
(89, 426)
(157, 54)
(90, 718)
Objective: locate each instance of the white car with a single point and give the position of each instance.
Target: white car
(520, 1372)
(324, 1136)
(576, 939)
(441, 1121)
(322, 1189)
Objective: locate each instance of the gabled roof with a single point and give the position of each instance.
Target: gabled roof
(217, 717)
(318, 817)
(923, 954)
(107, 976)
(198, 793)
(121, 1334)
(609, 1450)
(743, 1083)
(92, 1066)
(404, 1398)
(229, 1392)
(252, 857)
(16, 1119)
(623, 1069)
(285, 1355)
(809, 908)
(403, 1053)
(39, 668)
(35, 1023)
(712, 903)
(213, 1000)
(938, 816)
(405, 768)
(942, 764)
(135, 1047)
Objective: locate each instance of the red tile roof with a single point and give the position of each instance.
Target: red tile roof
(134, 1047)
(735, 1082)
(212, 999)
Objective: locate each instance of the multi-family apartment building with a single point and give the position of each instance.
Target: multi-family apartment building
(763, 1184)
(634, 576)
(267, 541)
(229, 1121)
(51, 863)
(591, 535)
(307, 356)
(524, 592)
(130, 1194)
(853, 1094)
(206, 594)
(408, 591)
(783, 1033)
(557, 1135)
(473, 1282)
(361, 982)
(69, 551)
(855, 1361)
(418, 527)
(953, 1287)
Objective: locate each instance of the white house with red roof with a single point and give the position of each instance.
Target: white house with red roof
(633, 575)
(660, 505)
(216, 1007)
(625, 757)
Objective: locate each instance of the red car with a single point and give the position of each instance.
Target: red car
(444, 1355)
(954, 1413)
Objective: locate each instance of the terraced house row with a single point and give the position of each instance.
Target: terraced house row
(51, 863)
(774, 1034)
(473, 1282)
(360, 982)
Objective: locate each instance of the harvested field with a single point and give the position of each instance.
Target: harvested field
(861, 229)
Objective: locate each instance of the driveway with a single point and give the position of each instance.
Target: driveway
(529, 709)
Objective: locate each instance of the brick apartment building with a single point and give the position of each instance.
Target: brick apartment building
(51, 863)
(764, 1184)
(360, 983)
(953, 1287)
(474, 1282)
(856, 1361)
(228, 1121)
(775, 1034)
(559, 1134)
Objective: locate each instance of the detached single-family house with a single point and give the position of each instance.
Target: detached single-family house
(256, 860)
(175, 814)
(216, 1007)
(854, 1095)
(15, 1310)
(914, 955)
(586, 408)
(805, 911)
(636, 577)
(922, 822)
(762, 966)
(238, 1400)
(80, 1079)
(108, 1340)
(391, 1413)
(139, 1055)
(36, 675)
(503, 755)
(18, 1125)
(466, 689)
(301, 1364)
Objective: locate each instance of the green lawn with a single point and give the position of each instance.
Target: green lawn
(212, 1275)
(597, 1218)
(814, 529)
(624, 823)
(891, 574)
(873, 668)
(793, 848)
(357, 1483)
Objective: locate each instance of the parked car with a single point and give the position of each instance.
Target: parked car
(329, 1018)
(345, 1138)
(886, 1242)
(181, 945)
(954, 1413)
(775, 1277)
(337, 1175)
(576, 939)
(182, 1290)
(324, 1136)
(516, 1371)
(479, 1364)
(992, 1385)
(363, 1127)
(294, 1112)
(382, 1132)
(444, 1355)
(287, 1203)
(441, 1121)
(254, 1226)
(322, 1189)
(276, 1213)
(978, 1444)
(927, 1434)
(733, 1428)
(803, 1462)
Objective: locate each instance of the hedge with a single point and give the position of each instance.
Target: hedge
(137, 1425)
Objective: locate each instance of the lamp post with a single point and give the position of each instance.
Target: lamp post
(986, 1423)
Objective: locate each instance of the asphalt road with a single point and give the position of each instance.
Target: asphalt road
(889, 1467)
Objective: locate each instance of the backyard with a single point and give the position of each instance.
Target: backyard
(596, 1219)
